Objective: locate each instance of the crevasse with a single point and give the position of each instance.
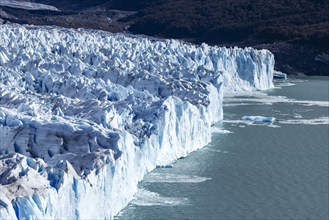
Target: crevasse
(84, 115)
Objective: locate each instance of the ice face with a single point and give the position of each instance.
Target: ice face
(85, 114)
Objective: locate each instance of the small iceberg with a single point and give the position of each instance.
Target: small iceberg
(220, 131)
(279, 75)
(259, 119)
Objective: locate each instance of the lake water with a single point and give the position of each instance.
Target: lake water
(251, 170)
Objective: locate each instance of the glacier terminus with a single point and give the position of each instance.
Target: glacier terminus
(84, 114)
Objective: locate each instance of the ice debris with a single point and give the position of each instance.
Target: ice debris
(259, 119)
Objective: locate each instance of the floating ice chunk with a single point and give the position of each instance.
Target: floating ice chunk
(220, 130)
(165, 166)
(148, 198)
(242, 98)
(174, 178)
(259, 119)
(313, 121)
(274, 126)
(215, 150)
(297, 115)
(279, 75)
(283, 84)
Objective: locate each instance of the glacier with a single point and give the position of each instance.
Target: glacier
(85, 114)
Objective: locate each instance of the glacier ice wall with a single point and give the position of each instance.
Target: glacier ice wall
(84, 115)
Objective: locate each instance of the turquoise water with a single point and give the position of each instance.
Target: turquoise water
(251, 171)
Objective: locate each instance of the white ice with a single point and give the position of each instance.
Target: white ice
(279, 75)
(84, 115)
(147, 198)
(261, 98)
(173, 178)
(313, 121)
(259, 119)
(218, 130)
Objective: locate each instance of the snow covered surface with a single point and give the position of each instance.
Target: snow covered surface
(27, 5)
(85, 114)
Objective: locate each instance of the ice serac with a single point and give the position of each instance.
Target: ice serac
(84, 115)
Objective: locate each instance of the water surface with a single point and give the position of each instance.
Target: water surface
(251, 170)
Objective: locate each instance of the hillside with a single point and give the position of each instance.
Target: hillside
(236, 21)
